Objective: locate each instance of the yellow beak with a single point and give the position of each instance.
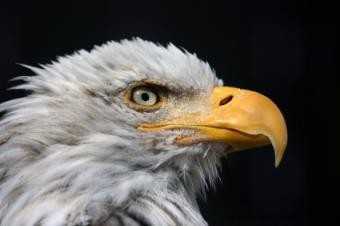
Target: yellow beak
(241, 118)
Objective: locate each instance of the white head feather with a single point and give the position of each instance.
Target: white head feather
(71, 153)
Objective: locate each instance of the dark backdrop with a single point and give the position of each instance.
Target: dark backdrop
(284, 49)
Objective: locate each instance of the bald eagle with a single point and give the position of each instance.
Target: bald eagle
(128, 133)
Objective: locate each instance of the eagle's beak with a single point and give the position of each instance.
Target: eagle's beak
(241, 118)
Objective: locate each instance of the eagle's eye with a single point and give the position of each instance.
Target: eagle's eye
(144, 95)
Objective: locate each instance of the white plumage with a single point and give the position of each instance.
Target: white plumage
(71, 154)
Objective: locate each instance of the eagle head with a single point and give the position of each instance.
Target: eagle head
(126, 134)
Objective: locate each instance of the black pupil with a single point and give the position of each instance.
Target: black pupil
(145, 97)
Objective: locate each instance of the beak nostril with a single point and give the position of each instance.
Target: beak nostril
(226, 100)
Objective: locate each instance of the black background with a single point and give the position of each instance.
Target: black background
(283, 49)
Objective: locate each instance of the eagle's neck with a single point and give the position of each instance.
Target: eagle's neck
(87, 182)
